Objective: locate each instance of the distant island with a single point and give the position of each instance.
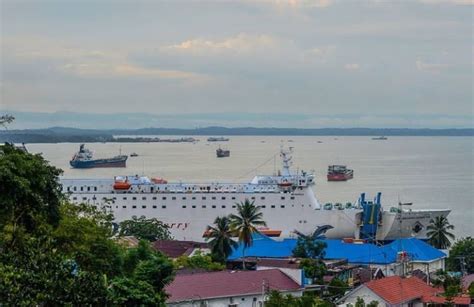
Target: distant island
(73, 135)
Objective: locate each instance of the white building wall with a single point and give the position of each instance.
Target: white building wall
(239, 301)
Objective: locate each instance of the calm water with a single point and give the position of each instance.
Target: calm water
(431, 172)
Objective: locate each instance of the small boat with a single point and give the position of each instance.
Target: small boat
(222, 153)
(133, 154)
(319, 142)
(380, 138)
(121, 184)
(339, 173)
(159, 180)
(84, 159)
(217, 139)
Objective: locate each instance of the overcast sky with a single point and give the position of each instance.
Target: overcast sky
(314, 63)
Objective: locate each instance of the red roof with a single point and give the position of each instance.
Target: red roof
(174, 249)
(396, 290)
(227, 283)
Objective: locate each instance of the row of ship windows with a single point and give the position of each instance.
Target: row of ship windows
(174, 198)
(194, 207)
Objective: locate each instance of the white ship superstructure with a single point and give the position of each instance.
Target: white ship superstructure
(286, 200)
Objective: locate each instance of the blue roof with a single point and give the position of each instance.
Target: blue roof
(265, 247)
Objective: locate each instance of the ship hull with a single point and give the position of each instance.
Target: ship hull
(188, 214)
(113, 162)
(339, 177)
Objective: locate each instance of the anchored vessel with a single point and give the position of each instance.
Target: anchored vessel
(217, 139)
(84, 159)
(286, 200)
(339, 173)
(380, 138)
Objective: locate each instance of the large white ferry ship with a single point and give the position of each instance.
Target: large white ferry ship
(286, 199)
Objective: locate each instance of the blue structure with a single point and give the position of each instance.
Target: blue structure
(364, 254)
(371, 215)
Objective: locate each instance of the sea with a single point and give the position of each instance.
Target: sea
(430, 172)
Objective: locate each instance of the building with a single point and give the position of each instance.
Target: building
(398, 291)
(175, 249)
(229, 288)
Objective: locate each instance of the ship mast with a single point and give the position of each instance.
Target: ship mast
(286, 159)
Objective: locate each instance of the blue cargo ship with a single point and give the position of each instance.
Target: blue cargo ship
(84, 159)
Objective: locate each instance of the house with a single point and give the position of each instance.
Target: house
(398, 291)
(175, 249)
(229, 288)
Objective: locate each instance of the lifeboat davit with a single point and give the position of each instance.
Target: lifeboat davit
(159, 180)
(122, 185)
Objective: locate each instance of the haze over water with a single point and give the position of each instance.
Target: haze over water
(431, 172)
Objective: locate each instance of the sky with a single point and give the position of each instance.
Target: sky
(293, 63)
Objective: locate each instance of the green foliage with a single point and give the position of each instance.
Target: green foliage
(220, 239)
(30, 194)
(306, 247)
(277, 299)
(53, 253)
(146, 229)
(450, 284)
(246, 221)
(337, 288)
(438, 232)
(471, 290)
(361, 303)
(198, 261)
(314, 269)
(462, 248)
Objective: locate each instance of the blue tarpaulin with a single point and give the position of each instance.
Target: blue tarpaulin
(265, 247)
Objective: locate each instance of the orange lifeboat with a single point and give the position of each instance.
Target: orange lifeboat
(122, 185)
(159, 180)
(269, 232)
(285, 184)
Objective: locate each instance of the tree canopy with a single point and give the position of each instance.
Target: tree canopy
(461, 250)
(147, 229)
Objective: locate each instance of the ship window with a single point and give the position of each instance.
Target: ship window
(164, 207)
(82, 189)
(233, 197)
(283, 197)
(114, 198)
(116, 207)
(194, 206)
(84, 198)
(263, 197)
(154, 198)
(164, 198)
(134, 207)
(124, 198)
(203, 198)
(134, 198)
(203, 206)
(223, 198)
(94, 198)
(154, 207)
(292, 197)
(273, 206)
(74, 198)
(194, 197)
(253, 197)
(125, 207)
(223, 207)
(184, 207)
(143, 198)
(143, 207)
(213, 197)
(233, 206)
(173, 198)
(184, 198)
(95, 188)
(264, 206)
(151, 189)
(75, 189)
(213, 206)
(282, 206)
(68, 189)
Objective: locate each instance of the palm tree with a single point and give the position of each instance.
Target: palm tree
(220, 235)
(438, 234)
(245, 224)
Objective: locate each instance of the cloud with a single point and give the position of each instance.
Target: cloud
(240, 44)
(456, 2)
(353, 66)
(429, 67)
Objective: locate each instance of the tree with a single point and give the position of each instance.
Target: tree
(313, 269)
(220, 239)
(306, 247)
(129, 292)
(463, 248)
(438, 232)
(245, 224)
(277, 299)
(30, 194)
(337, 288)
(6, 119)
(198, 261)
(143, 228)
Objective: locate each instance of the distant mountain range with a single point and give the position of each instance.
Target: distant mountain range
(62, 134)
